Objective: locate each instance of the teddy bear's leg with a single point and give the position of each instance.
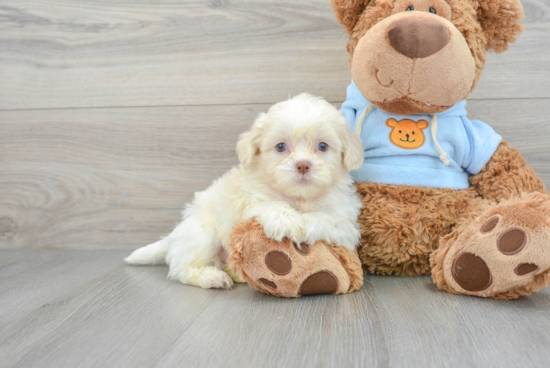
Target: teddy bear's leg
(288, 270)
(401, 226)
(500, 250)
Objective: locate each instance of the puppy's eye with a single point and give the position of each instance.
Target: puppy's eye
(410, 8)
(323, 146)
(432, 10)
(281, 147)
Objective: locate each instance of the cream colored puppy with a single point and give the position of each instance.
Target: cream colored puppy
(293, 179)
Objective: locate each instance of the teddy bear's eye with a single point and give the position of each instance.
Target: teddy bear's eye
(413, 131)
(399, 131)
(411, 8)
(281, 147)
(432, 10)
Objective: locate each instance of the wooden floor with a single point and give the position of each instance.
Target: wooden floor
(114, 112)
(67, 308)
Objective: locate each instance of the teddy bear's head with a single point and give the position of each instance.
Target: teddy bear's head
(423, 56)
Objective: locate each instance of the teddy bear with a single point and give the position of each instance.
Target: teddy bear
(442, 195)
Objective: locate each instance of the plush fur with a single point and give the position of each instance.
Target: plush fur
(301, 193)
(401, 225)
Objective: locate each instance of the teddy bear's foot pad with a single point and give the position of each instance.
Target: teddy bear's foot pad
(503, 254)
(322, 282)
(472, 273)
(288, 270)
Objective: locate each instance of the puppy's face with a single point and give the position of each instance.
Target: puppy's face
(301, 148)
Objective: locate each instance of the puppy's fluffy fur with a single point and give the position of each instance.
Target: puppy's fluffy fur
(304, 205)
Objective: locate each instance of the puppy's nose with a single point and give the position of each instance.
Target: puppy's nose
(417, 37)
(303, 166)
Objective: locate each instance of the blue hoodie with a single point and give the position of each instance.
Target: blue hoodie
(402, 152)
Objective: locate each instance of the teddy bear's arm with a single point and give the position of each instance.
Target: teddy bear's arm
(506, 175)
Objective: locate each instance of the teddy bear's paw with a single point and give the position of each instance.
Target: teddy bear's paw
(320, 282)
(292, 271)
(503, 254)
(287, 269)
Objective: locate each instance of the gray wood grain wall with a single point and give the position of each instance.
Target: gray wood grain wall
(112, 113)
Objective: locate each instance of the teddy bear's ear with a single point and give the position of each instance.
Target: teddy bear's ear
(500, 22)
(391, 123)
(348, 11)
(422, 124)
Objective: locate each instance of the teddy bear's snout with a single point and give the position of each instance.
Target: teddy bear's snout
(417, 37)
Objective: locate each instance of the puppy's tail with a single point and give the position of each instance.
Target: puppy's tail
(151, 254)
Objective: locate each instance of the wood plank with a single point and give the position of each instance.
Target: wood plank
(86, 314)
(117, 178)
(132, 316)
(109, 175)
(70, 53)
(23, 291)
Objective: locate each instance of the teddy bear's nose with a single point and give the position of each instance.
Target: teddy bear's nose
(417, 37)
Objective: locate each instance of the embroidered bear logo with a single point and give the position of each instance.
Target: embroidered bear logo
(406, 133)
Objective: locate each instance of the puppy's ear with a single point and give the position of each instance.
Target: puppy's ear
(249, 142)
(352, 150)
(348, 11)
(499, 20)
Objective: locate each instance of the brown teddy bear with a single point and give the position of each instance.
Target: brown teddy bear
(442, 195)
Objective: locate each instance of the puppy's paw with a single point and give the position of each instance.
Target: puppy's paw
(313, 233)
(278, 226)
(232, 274)
(348, 236)
(208, 278)
(320, 227)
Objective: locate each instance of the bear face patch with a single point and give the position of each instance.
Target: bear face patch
(406, 133)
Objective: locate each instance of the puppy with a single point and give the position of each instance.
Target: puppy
(293, 178)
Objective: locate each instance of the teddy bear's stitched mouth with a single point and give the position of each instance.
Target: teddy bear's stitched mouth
(407, 141)
(380, 82)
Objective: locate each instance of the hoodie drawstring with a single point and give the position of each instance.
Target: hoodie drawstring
(442, 154)
(362, 118)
